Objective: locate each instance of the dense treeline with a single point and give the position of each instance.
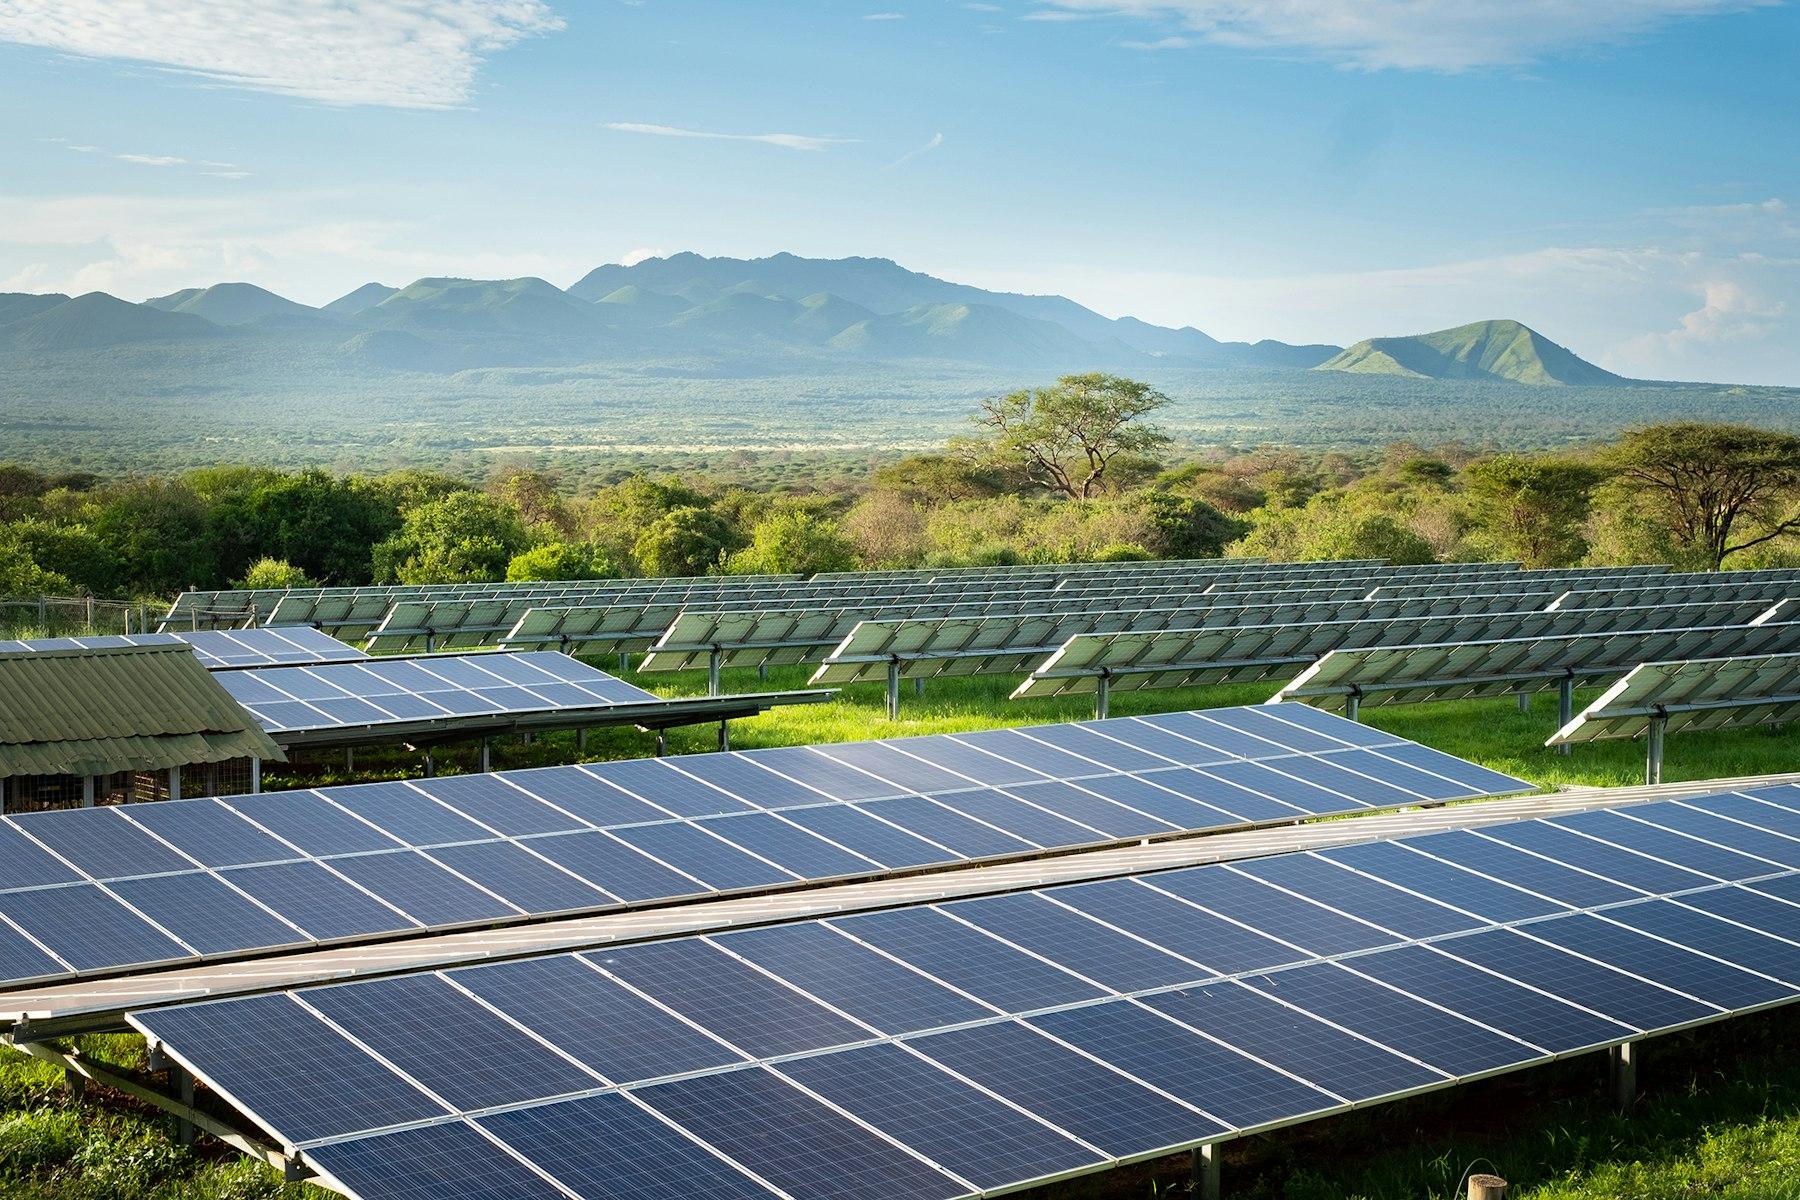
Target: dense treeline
(1063, 473)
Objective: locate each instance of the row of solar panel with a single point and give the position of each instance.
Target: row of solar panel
(1706, 693)
(378, 691)
(217, 649)
(105, 889)
(982, 1045)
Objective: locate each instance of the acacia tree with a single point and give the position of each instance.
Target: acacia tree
(1532, 507)
(1064, 437)
(1719, 488)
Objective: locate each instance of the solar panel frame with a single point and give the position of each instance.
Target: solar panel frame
(1691, 694)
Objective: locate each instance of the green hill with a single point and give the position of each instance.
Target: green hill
(97, 320)
(1493, 350)
(973, 332)
(365, 297)
(232, 304)
(523, 306)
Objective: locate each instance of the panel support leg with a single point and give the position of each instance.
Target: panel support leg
(762, 672)
(76, 1083)
(1353, 706)
(1524, 702)
(918, 685)
(581, 741)
(1653, 752)
(174, 783)
(662, 743)
(430, 766)
(255, 776)
(724, 735)
(349, 758)
(1206, 1171)
(1565, 708)
(713, 657)
(486, 757)
(1102, 695)
(1623, 1060)
(624, 661)
(181, 1082)
(87, 791)
(893, 689)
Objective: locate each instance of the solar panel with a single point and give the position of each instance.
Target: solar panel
(1035, 1035)
(1704, 693)
(1459, 670)
(217, 649)
(369, 859)
(1137, 660)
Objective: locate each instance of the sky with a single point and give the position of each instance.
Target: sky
(1621, 175)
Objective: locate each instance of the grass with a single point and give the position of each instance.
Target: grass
(1720, 1119)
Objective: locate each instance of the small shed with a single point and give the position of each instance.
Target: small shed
(80, 727)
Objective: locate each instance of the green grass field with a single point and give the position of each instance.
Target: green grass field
(1720, 1115)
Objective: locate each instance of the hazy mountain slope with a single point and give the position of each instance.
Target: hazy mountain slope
(232, 304)
(473, 306)
(97, 320)
(16, 306)
(969, 332)
(634, 305)
(885, 287)
(365, 297)
(1500, 350)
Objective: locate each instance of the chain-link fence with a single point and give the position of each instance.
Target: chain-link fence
(73, 616)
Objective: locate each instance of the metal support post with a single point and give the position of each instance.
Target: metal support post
(87, 791)
(76, 1082)
(1524, 702)
(1206, 1171)
(1102, 695)
(525, 738)
(762, 672)
(1353, 706)
(624, 662)
(918, 685)
(349, 758)
(174, 783)
(662, 743)
(1623, 1060)
(486, 757)
(255, 776)
(1653, 753)
(724, 735)
(181, 1082)
(713, 657)
(893, 689)
(430, 766)
(581, 741)
(430, 642)
(1565, 708)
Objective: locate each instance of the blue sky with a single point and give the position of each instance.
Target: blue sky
(1620, 174)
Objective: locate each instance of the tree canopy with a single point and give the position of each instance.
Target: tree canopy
(1064, 437)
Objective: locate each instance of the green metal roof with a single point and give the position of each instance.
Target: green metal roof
(124, 708)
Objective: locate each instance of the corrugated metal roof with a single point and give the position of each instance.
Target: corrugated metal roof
(94, 711)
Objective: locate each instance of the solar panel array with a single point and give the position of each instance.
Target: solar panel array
(1463, 670)
(1696, 694)
(217, 649)
(287, 700)
(102, 890)
(974, 1047)
(1187, 658)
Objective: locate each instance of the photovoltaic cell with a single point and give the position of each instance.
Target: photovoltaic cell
(429, 1163)
(968, 960)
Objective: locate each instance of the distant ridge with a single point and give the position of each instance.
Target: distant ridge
(97, 320)
(232, 304)
(366, 296)
(1497, 350)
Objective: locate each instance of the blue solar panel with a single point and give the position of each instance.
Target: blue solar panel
(88, 929)
(585, 796)
(794, 1141)
(521, 878)
(941, 750)
(655, 780)
(1389, 907)
(1100, 1106)
(289, 1069)
(1561, 886)
(790, 846)
(1595, 987)
(1300, 1045)
(1235, 1089)
(1271, 911)
(321, 903)
(1129, 744)
(894, 766)
(24, 863)
(1146, 794)
(608, 1148)
(1222, 946)
(1080, 943)
(1703, 978)
(1241, 803)
(408, 814)
(963, 1130)
(1781, 852)
(1750, 908)
(1074, 803)
(827, 775)
(713, 861)
(1029, 752)
(867, 835)
(1383, 766)
(457, 1048)
(740, 775)
(1444, 1040)
(205, 914)
(736, 1002)
(1646, 838)
(209, 833)
(431, 894)
(495, 803)
(968, 960)
(595, 1020)
(1413, 865)
(101, 842)
(1303, 798)
(608, 863)
(429, 1163)
(1622, 866)
(1018, 818)
(22, 959)
(853, 978)
(1747, 948)
(962, 835)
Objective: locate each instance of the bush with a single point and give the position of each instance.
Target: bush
(462, 538)
(271, 573)
(793, 543)
(685, 541)
(562, 560)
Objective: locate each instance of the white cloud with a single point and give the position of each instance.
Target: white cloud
(1439, 35)
(937, 139)
(884, 16)
(153, 160)
(633, 257)
(401, 53)
(788, 141)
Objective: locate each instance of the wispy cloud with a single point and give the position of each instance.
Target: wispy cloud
(884, 16)
(204, 166)
(937, 139)
(398, 53)
(1437, 35)
(787, 141)
(153, 160)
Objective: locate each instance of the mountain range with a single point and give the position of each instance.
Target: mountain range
(779, 313)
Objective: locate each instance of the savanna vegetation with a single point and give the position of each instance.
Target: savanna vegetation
(1078, 470)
